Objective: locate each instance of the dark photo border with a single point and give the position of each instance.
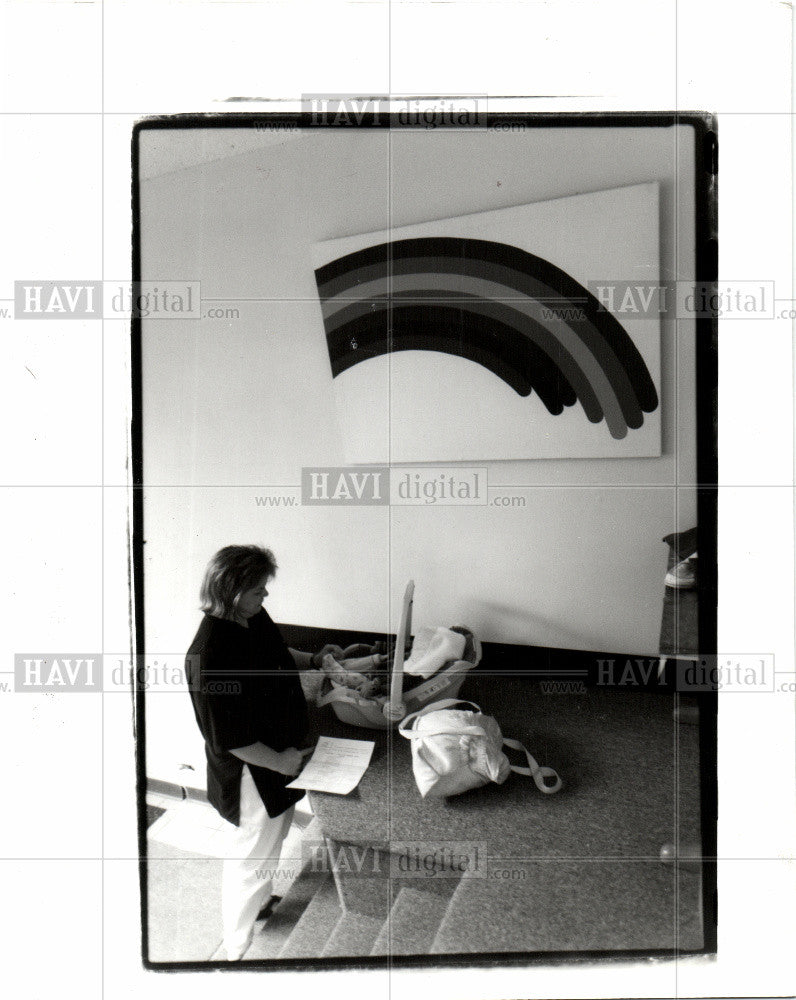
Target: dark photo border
(706, 255)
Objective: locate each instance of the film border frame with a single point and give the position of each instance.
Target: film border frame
(705, 126)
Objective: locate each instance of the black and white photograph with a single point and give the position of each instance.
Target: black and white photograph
(427, 457)
(397, 499)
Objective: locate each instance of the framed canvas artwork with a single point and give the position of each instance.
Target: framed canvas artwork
(481, 336)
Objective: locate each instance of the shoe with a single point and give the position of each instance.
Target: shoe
(269, 908)
(683, 576)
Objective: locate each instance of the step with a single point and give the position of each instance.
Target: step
(310, 825)
(412, 923)
(571, 905)
(270, 937)
(368, 882)
(353, 936)
(308, 938)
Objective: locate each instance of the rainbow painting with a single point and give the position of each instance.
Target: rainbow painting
(435, 329)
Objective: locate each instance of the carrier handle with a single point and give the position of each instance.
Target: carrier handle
(393, 709)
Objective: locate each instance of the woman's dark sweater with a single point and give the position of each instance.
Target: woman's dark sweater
(245, 689)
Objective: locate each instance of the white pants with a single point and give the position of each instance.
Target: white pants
(251, 854)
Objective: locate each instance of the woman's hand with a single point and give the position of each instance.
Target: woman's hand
(289, 762)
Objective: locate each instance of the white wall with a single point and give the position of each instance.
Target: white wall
(233, 407)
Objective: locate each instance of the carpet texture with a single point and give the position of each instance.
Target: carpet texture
(578, 871)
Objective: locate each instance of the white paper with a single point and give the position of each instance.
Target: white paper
(336, 766)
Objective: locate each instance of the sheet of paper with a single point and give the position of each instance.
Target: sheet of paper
(336, 766)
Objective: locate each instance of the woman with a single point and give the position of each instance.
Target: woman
(251, 711)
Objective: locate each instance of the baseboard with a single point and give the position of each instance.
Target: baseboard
(542, 662)
(159, 787)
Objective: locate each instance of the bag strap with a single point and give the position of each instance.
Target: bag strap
(406, 727)
(534, 770)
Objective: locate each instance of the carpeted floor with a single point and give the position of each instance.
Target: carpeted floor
(584, 865)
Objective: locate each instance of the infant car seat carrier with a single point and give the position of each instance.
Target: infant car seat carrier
(385, 713)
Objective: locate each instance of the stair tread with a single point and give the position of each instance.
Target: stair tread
(308, 937)
(353, 935)
(411, 924)
(644, 906)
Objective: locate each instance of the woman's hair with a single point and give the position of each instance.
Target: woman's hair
(233, 570)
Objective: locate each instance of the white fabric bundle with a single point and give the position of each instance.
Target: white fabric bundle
(432, 649)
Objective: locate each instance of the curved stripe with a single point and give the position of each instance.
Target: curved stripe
(609, 380)
(545, 386)
(454, 331)
(511, 285)
(520, 270)
(375, 344)
(567, 361)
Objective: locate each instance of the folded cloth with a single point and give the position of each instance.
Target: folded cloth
(311, 684)
(432, 648)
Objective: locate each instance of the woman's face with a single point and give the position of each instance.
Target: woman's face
(250, 601)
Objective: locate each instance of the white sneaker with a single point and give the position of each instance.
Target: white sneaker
(683, 575)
